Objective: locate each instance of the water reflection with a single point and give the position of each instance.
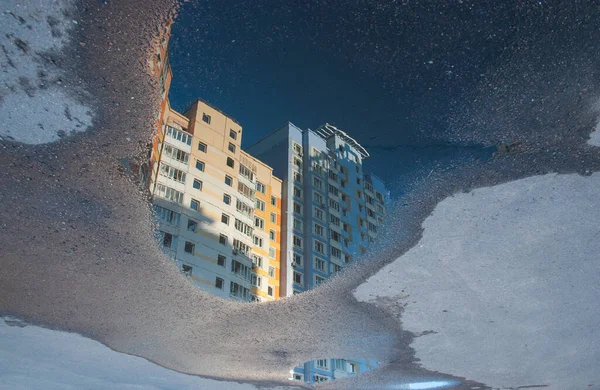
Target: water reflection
(324, 370)
(78, 255)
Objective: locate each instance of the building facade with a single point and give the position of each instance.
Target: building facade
(331, 213)
(210, 198)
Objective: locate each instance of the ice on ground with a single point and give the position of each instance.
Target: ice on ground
(37, 358)
(36, 104)
(503, 286)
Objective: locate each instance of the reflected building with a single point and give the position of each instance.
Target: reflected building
(331, 213)
(218, 207)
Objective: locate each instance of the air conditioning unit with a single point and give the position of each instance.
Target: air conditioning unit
(294, 264)
(235, 251)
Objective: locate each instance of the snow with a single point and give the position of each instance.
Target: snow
(595, 136)
(37, 104)
(32, 357)
(505, 282)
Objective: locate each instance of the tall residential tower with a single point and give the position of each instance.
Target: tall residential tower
(331, 212)
(218, 207)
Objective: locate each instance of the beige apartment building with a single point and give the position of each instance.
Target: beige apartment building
(219, 209)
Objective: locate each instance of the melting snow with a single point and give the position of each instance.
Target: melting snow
(510, 298)
(37, 358)
(36, 104)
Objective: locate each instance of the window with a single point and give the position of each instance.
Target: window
(298, 224)
(297, 177)
(379, 196)
(270, 291)
(336, 252)
(297, 192)
(169, 193)
(239, 291)
(225, 219)
(297, 208)
(317, 183)
(200, 165)
(172, 173)
(334, 220)
(243, 208)
(319, 264)
(318, 198)
(226, 199)
(228, 180)
(241, 247)
(230, 162)
(335, 268)
(319, 214)
(298, 162)
(258, 241)
(169, 241)
(194, 205)
(334, 190)
(297, 241)
(257, 261)
(297, 277)
(232, 134)
(197, 184)
(272, 235)
(223, 239)
(260, 205)
(246, 172)
(192, 225)
(272, 253)
(271, 272)
(273, 201)
(206, 118)
(334, 205)
(319, 230)
(352, 368)
(317, 168)
(243, 227)
(189, 247)
(259, 223)
(260, 187)
(176, 154)
(246, 191)
(319, 280)
(273, 218)
(340, 364)
(297, 148)
(202, 147)
(219, 283)
(297, 258)
(166, 215)
(321, 363)
(179, 135)
(255, 280)
(221, 260)
(335, 236)
(231, 147)
(186, 269)
(319, 247)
